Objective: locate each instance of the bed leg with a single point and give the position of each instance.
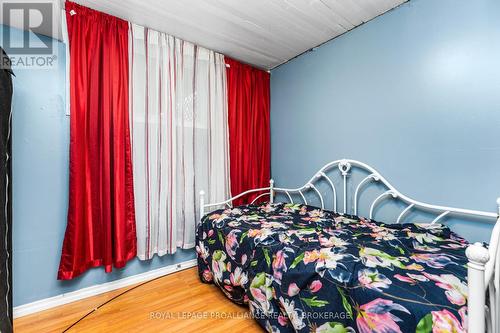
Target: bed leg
(478, 257)
(271, 191)
(202, 204)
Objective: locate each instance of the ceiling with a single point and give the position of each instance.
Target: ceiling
(264, 33)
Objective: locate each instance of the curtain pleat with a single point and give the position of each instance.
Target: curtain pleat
(101, 219)
(178, 121)
(249, 128)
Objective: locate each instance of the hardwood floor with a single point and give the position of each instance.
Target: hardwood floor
(168, 304)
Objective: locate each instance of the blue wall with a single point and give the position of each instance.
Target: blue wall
(414, 93)
(40, 188)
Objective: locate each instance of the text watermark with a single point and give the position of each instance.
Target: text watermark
(166, 315)
(31, 49)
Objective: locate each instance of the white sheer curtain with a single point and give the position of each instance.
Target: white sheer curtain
(179, 134)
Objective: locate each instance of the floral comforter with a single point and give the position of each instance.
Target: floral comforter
(303, 269)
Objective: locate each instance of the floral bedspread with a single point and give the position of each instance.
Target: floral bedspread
(302, 269)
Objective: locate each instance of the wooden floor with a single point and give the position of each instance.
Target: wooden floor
(164, 305)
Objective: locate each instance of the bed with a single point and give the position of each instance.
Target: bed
(305, 268)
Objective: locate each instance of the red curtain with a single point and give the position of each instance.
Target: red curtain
(249, 142)
(101, 219)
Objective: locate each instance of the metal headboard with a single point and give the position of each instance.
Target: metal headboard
(345, 166)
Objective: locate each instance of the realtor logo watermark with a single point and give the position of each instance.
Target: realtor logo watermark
(31, 50)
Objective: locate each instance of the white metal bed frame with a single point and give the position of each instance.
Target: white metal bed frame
(483, 264)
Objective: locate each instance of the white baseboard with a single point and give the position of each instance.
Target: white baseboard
(47, 303)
